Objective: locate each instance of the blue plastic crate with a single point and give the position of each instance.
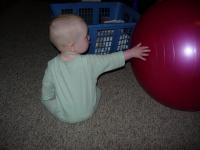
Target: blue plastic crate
(105, 37)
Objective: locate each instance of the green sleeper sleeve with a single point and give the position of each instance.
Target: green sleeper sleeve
(104, 63)
(48, 90)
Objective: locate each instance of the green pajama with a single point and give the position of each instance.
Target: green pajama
(69, 88)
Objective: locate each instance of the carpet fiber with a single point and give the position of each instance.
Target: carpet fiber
(127, 118)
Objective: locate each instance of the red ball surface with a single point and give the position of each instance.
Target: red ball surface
(171, 74)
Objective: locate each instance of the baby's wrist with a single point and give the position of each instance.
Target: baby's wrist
(128, 54)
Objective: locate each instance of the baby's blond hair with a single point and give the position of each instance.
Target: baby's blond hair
(65, 29)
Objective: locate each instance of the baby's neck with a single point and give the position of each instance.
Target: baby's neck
(68, 55)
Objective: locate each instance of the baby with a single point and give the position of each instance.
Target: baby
(69, 89)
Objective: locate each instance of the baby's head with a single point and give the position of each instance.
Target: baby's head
(69, 33)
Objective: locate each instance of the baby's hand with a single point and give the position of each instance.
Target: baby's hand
(138, 51)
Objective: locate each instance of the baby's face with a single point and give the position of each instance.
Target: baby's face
(82, 43)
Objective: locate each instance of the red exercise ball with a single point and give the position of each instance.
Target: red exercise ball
(171, 74)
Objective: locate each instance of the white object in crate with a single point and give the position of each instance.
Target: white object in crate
(114, 21)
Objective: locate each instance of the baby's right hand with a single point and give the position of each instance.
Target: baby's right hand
(140, 51)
